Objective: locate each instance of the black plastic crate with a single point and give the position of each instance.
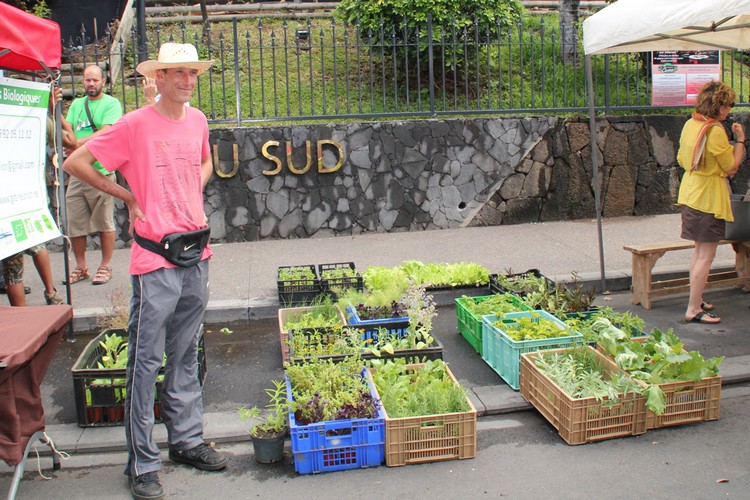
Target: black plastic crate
(105, 405)
(430, 353)
(294, 293)
(329, 285)
(497, 287)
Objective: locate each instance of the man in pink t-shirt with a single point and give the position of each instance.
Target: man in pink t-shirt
(163, 152)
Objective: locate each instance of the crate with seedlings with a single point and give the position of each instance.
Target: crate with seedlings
(297, 285)
(521, 284)
(681, 387)
(322, 315)
(99, 380)
(338, 277)
(583, 394)
(469, 312)
(409, 337)
(428, 417)
(590, 323)
(335, 420)
(505, 339)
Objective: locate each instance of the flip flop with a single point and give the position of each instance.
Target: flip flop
(701, 318)
(706, 306)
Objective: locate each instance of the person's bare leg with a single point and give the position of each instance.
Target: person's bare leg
(78, 244)
(16, 295)
(700, 267)
(107, 241)
(44, 268)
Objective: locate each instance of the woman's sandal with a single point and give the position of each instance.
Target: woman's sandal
(701, 318)
(78, 274)
(707, 307)
(103, 275)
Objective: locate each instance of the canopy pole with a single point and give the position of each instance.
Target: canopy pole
(595, 168)
(63, 222)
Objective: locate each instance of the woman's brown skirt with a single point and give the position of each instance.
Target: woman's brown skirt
(701, 226)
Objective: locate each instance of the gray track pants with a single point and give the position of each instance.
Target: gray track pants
(166, 311)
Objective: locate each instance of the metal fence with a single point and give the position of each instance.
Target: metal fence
(318, 69)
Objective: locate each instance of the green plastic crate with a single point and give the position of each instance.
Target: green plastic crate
(470, 325)
(503, 354)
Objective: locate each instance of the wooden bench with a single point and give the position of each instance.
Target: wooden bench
(644, 288)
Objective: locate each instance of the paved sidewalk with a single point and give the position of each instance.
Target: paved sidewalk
(243, 275)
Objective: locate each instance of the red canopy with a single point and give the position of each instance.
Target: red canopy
(33, 42)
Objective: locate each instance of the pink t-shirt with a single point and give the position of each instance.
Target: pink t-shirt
(161, 160)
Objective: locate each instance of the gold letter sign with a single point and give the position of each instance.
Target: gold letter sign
(322, 169)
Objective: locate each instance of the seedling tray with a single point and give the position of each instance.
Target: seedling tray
(334, 445)
(433, 352)
(294, 293)
(470, 325)
(503, 354)
(106, 386)
(290, 313)
(329, 285)
(497, 287)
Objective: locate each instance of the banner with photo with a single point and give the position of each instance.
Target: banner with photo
(25, 219)
(678, 75)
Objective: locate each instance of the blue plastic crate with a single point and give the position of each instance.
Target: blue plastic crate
(503, 354)
(371, 327)
(337, 444)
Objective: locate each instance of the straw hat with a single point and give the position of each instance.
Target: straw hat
(174, 55)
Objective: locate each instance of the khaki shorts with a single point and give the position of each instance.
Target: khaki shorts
(89, 210)
(13, 269)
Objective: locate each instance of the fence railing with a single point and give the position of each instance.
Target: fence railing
(281, 70)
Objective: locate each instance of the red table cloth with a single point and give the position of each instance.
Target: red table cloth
(28, 339)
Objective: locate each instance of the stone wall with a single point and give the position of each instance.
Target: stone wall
(435, 174)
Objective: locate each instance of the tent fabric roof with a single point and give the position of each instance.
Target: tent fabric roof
(31, 40)
(646, 25)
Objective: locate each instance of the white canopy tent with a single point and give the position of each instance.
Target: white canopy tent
(648, 25)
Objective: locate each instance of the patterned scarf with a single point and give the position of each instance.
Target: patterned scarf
(700, 142)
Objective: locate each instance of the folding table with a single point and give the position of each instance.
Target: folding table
(28, 339)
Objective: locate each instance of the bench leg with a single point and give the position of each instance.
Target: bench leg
(742, 262)
(640, 290)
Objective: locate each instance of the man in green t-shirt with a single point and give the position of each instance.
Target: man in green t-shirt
(91, 210)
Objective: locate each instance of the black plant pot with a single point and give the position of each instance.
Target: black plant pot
(268, 449)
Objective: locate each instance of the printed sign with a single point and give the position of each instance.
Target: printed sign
(678, 75)
(25, 219)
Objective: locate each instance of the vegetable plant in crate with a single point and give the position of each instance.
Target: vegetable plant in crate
(268, 434)
(334, 419)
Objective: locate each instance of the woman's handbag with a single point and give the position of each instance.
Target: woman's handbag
(739, 230)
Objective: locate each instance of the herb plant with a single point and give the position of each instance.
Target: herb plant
(498, 304)
(276, 421)
(296, 273)
(323, 390)
(531, 328)
(323, 315)
(580, 374)
(407, 391)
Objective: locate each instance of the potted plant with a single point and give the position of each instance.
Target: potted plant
(269, 432)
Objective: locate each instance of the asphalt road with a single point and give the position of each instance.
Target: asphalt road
(518, 456)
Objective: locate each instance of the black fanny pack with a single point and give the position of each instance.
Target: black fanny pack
(181, 249)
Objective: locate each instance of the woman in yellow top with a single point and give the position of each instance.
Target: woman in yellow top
(709, 160)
